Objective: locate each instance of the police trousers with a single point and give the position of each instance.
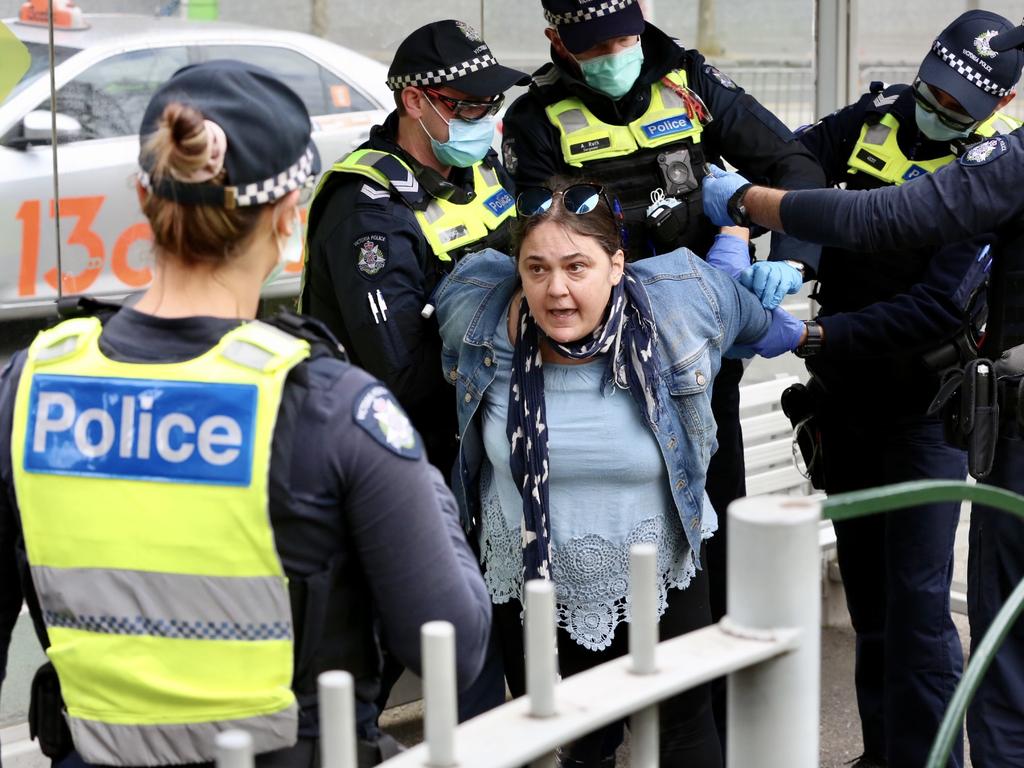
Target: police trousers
(897, 568)
(995, 720)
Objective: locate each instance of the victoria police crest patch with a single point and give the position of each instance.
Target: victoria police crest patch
(721, 77)
(371, 253)
(985, 152)
(384, 420)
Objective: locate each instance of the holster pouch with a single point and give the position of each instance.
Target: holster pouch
(46, 721)
(968, 400)
(800, 404)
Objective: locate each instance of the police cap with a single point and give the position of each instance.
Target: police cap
(582, 24)
(451, 53)
(966, 63)
(269, 151)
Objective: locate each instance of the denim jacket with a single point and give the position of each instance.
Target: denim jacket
(699, 311)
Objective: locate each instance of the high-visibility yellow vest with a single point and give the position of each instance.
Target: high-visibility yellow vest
(584, 138)
(878, 154)
(448, 227)
(143, 492)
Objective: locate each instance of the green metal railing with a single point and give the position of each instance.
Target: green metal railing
(846, 506)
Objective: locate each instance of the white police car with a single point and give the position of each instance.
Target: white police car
(106, 71)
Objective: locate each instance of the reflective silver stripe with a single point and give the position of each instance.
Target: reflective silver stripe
(877, 134)
(247, 354)
(106, 744)
(370, 157)
(670, 98)
(58, 349)
(572, 120)
(164, 604)
(489, 175)
(434, 212)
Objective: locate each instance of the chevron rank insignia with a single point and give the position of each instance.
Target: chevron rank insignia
(383, 419)
(371, 252)
(985, 152)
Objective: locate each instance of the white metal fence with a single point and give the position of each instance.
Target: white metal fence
(769, 645)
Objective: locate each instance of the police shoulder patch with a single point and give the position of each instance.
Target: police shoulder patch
(371, 253)
(383, 419)
(985, 152)
(720, 76)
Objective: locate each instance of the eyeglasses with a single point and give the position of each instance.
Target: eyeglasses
(950, 118)
(578, 198)
(466, 109)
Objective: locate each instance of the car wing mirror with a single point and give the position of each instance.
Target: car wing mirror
(37, 128)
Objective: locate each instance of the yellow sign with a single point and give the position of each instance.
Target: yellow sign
(14, 61)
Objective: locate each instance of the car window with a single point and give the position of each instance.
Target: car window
(323, 92)
(39, 64)
(110, 98)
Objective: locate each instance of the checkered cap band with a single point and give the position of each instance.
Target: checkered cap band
(259, 192)
(588, 13)
(968, 72)
(442, 76)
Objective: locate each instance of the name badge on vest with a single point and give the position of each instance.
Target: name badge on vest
(138, 429)
(499, 202)
(667, 127)
(590, 146)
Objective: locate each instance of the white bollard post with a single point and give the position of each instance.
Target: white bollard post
(540, 647)
(643, 643)
(337, 720)
(234, 749)
(774, 582)
(440, 696)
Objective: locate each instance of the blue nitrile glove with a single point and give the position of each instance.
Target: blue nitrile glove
(730, 254)
(770, 281)
(783, 335)
(718, 186)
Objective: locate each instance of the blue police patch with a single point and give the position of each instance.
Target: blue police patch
(985, 152)
(141, 429)
(499, 202)
(383, 419)
(667, 127)
(915, 171)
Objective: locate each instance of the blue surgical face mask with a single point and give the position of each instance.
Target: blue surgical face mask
(467, 143)
(289, 251)
(930, 125)
(614, 74)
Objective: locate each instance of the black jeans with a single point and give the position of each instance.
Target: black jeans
(687, 728)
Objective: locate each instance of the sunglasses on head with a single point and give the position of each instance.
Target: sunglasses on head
(467, 109)
(579, 199)
(925, 98)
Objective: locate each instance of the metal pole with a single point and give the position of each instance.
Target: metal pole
(774, 582)
(337, 720)
(540, 647)
(234, 749)
(831, 55)
(53, 142)
(439, 692)
(707, 39)
(643, 642)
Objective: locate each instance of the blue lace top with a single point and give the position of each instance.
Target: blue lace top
(609, 489)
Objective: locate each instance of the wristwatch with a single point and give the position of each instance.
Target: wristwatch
(736, 209)
(813, 343)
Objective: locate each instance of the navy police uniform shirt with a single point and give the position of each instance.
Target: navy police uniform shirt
(884, 308)
(369, 275)
(978, 194)
(364, 526)
(742, 130)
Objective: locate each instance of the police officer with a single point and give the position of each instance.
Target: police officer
(201, 510)
(623, 103)
(977, 196)
(390, 219)
(874, 429)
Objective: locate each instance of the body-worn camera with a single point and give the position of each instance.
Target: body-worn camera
(677, 171)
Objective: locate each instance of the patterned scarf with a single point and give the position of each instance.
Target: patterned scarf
(629, 337)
